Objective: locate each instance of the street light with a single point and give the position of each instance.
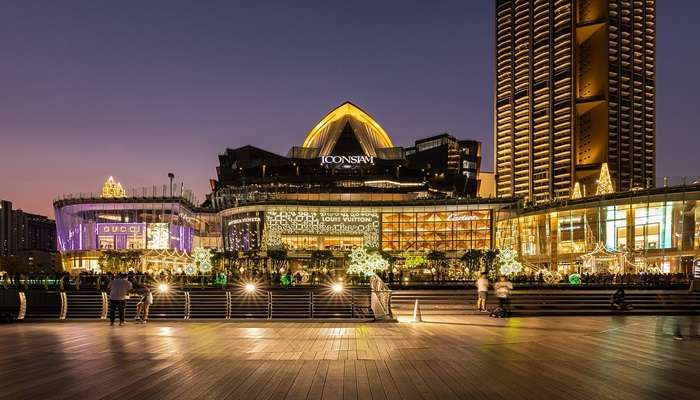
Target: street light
(337, 287)
(171, 176)
(250, 287)
(163, 287)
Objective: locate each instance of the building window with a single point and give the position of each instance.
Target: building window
(460, 230)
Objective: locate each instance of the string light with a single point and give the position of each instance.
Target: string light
(576, 194)
(507, 260)
(112, 189)
(605, 185)
(362, 262)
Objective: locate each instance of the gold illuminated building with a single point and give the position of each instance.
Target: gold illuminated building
(575, 89)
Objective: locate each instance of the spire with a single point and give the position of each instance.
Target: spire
(112, 189)
(576, 194)
(605, 185)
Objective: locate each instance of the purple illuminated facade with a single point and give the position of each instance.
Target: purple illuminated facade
(86, 227)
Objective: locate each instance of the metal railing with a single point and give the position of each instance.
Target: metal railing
(211, 304)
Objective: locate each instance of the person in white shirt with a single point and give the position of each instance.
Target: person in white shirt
(482, 288)
(503, 288)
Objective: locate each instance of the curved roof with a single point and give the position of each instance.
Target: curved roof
(369, 133)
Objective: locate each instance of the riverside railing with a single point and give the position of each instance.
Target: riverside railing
(174, 303)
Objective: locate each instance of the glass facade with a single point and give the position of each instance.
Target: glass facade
(653, 232)
(439, 230)
(125, 226)
(656, 230)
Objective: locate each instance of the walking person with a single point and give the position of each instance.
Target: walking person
(503, 288)
(118, 291)
(482, 288)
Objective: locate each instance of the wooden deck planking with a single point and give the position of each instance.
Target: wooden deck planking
(453, 357)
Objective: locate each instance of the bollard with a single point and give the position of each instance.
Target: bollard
(416, 313)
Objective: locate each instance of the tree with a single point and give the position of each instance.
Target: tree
(437, 261)
(489, 258)
(217, 259)
(230, 259)
(11, 264)
(279, 258)
(414, 260)
(110, 261)
(472, 259)
(321, 259)
(132, 258)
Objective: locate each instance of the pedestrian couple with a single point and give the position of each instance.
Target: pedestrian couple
(119, 289)
(503, 288)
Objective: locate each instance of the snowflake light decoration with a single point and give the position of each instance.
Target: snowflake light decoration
(190, 269)
(362, 262)
(507, 261)
(202, 257)
(549, 277)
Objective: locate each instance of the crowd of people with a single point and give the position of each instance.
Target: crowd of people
(286, 278)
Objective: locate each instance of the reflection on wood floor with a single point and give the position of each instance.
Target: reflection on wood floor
(447, 357)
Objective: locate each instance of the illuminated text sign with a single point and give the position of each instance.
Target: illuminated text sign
(121, 229)
(346, 160)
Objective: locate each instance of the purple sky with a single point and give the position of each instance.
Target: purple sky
(137, 89)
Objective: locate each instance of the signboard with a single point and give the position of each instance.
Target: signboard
(696, 268)
(461, 217)
(340, 223)
(346, 161)
(158, 236)
(133, 229)
(244, 220)
(243, 231)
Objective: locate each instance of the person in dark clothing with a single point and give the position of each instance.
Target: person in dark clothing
(617, 301)
(118, 291)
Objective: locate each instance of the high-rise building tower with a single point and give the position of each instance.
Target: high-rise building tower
(575, 89)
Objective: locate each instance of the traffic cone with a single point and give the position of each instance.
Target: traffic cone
(416, 313)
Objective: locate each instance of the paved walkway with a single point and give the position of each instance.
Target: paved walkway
(460, 357)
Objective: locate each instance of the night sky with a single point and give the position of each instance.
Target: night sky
(136, 89)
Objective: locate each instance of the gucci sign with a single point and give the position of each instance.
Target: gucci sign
(120, 229)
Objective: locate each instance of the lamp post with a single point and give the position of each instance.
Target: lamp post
(171, 176)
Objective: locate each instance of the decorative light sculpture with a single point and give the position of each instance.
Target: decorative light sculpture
(549, 277)
(362, 262)
(576, 194)
(575, 279)
(111, 189)
(202, 257)
(605, 185)
(190, 269)
(507, 261)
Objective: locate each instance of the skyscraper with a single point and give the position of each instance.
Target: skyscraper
(575, 90)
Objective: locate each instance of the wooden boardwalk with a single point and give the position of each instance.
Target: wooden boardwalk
(451, 357)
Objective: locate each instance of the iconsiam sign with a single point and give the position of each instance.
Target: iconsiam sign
(341, 223)
(346, 161)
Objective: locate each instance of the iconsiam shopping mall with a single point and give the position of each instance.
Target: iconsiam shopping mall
(349, 187)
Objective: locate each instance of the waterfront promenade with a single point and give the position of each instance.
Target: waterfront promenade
(447, 357)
